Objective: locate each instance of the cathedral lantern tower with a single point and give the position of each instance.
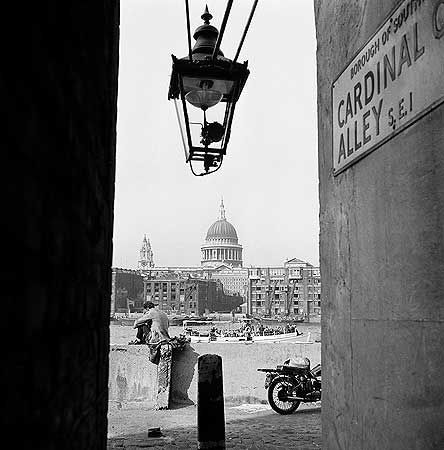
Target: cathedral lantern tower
(146, 255)
(221, 244)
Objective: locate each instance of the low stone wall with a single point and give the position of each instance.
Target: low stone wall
(132, 377)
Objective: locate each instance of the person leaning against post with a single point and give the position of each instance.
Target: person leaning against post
(152, 326)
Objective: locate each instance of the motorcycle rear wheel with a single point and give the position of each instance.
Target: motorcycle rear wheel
(278, 390)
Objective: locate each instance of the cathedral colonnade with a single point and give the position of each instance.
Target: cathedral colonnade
(222, 254)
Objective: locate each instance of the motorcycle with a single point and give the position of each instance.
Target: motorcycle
(292, 383)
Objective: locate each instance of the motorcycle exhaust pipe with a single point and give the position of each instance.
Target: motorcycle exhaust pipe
(291, 398)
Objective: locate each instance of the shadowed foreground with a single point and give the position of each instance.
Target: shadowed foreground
(247, 427)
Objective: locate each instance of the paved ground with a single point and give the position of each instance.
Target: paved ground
(247, 427)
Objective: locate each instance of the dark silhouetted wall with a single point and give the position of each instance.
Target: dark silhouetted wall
(60, 95)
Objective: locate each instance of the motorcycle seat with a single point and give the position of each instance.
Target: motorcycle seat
(295, 364)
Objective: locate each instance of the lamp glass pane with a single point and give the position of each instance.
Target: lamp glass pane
(203, 98)
(223, 86)
(182, 127)
(196, 121)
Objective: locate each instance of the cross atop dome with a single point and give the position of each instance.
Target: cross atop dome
(222, 209)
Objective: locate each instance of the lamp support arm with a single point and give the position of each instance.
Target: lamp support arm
(187, 9)
(247, 26)
(222, 28)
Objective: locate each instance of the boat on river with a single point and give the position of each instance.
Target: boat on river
(205, 337)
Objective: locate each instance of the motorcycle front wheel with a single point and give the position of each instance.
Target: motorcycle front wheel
(278, 391)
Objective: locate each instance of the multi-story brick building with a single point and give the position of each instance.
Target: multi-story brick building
(189, 296)
(291, 290)
(233, 279)
(126, 291)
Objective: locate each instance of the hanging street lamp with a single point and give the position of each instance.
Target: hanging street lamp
(205, 86)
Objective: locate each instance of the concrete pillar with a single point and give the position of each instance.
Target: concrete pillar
(381, 249)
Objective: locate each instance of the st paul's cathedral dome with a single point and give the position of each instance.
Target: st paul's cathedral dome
(221, 243)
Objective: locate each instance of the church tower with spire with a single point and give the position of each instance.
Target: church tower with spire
(146, 255)
(221, 243)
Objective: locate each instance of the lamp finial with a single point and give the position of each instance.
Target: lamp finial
(206, 16)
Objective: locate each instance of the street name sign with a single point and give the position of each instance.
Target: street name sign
(396, 78)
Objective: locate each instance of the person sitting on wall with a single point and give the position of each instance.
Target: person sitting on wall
(143, 329)
(157, 321)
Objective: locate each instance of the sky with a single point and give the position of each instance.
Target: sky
(268, 179)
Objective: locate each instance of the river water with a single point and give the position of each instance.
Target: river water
(122, 334)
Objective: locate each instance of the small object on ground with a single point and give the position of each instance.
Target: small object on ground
(154, 432)
(135, 342)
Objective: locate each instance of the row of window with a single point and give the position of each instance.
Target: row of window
(172, 299)
(259, 310)
(277, 296)
(277, 288)
(291, 281)
(181, 302)
(282, 272)
(263, 303)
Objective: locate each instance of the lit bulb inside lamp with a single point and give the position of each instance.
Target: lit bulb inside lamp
(205, 97)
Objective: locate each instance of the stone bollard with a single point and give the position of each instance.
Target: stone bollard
(210, 403)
